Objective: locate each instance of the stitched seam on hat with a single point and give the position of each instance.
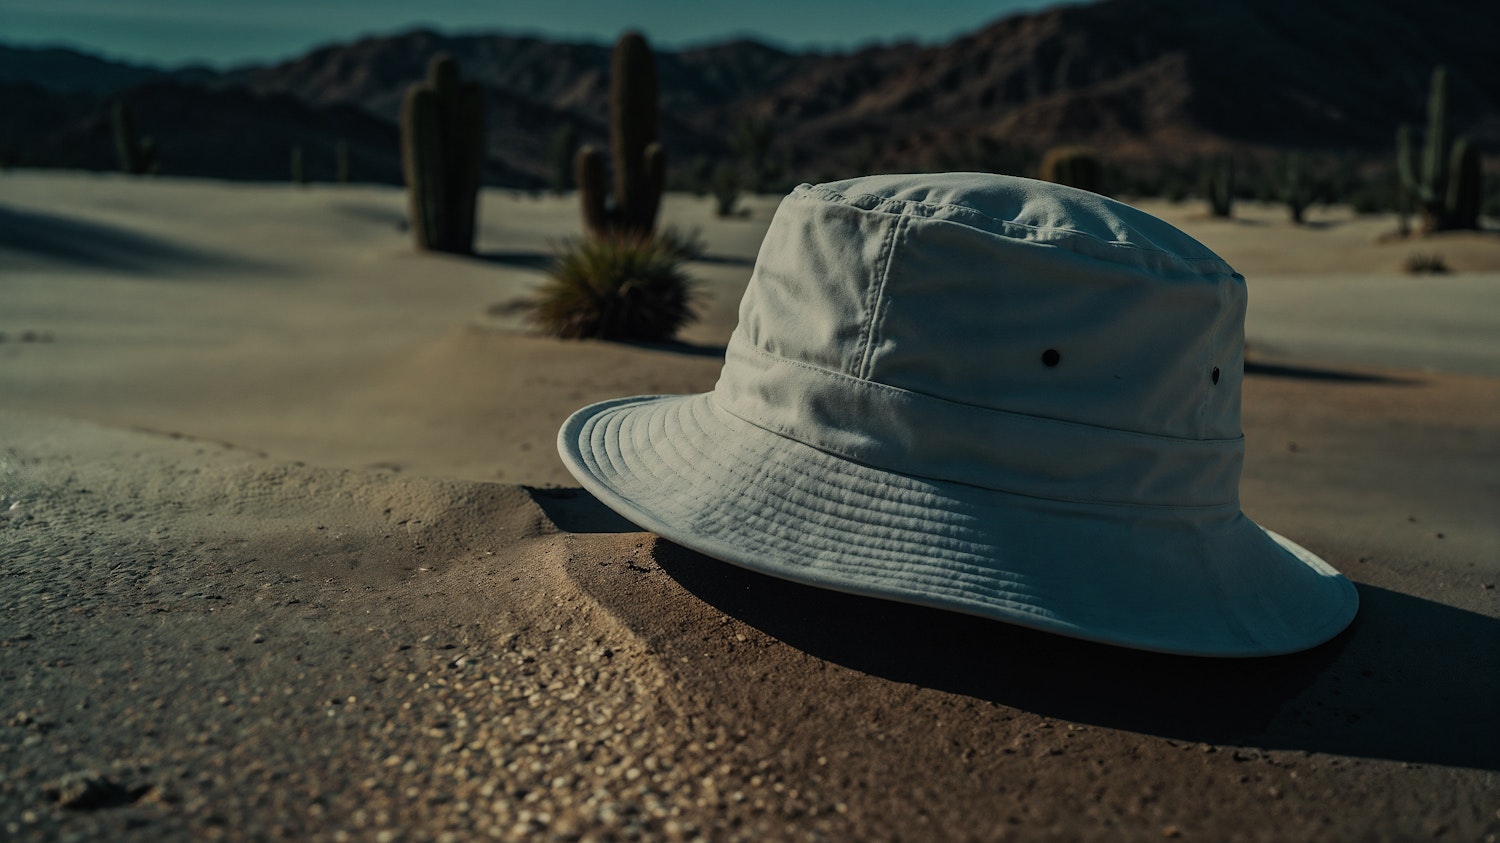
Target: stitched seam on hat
(875, 295)
(834, 451)
(1115, 431)
(914, 208)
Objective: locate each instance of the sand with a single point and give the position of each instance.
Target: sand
(287, 552)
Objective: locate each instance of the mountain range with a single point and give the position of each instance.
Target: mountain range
(1146, 83)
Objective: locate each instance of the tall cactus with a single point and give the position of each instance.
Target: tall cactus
(1294, 186)
(137, 155)
(442, 156)
(560, 155)
(1218, 184)
(640, 163)
(1074, 166)
(1444, 180)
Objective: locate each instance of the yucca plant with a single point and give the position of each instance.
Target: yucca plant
(617, 286)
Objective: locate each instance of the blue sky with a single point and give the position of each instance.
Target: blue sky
(226, 32)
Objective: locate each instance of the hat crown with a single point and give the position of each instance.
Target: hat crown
(1004, 294)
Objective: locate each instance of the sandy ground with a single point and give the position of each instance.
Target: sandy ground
(287, 553)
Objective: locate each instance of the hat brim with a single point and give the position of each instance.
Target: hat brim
(1184, 580)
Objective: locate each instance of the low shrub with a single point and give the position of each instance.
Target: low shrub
(616, 287)
(725, 189)
(1423, 263)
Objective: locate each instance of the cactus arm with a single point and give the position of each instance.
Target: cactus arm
(1435, 144)
(588, 171)
(1465, 187)
(1406, 160)
(654, 174)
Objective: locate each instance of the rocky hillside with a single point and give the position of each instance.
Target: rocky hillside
(1146, 81)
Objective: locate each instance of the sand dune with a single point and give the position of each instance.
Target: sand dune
(288, 552)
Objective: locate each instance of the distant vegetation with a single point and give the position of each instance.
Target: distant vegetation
(623, 280)
(615, 287)
(1074, 166)
(137, 155)
(1446, 182)
(638, 159)
(745, 117)
(442, 145)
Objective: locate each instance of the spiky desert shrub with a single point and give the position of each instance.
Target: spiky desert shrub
(1423, 263)
(615, 286)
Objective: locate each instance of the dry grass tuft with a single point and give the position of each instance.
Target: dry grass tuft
(1423, 263)
(618, 287)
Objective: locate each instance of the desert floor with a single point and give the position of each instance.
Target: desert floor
(287, 552)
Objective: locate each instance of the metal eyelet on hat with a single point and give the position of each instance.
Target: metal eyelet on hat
(1050, 357)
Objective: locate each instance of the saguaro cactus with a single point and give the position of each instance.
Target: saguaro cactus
(1444, 180)
(1294, 185)
(1218, 184)
(442, 155)
(1075, 166)
(137, 155)
(640, 163)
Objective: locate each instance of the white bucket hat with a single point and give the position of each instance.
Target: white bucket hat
(980, 393)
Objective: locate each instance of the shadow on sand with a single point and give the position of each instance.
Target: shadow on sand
(1412, 680)
(1313, 373)
(724, 260)
(81, 243)
(542, 261)
(677, 347)
(520, 260)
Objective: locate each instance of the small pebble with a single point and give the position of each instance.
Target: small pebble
(84, 789)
